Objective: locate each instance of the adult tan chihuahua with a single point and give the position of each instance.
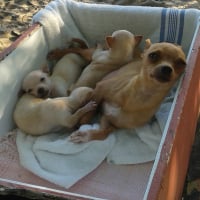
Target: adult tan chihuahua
(131, 95)
(37, 116)
(121, 47)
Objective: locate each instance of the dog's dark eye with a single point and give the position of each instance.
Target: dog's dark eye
(180, 63)
(42, 79)
(29, 90)
(154, 56)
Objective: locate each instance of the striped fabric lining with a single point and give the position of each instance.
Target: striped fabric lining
(172, 23)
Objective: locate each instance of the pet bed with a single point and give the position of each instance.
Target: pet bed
(151, 162)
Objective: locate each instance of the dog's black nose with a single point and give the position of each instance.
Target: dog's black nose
(166, 70)
(163, 73)
(42, 92)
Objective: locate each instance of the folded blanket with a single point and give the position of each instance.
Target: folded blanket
(52, 156)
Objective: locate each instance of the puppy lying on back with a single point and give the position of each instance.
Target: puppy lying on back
(121, 46)
(37, 116)
(131, 95)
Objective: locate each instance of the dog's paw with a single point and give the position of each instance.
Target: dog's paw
(90, 106)
(81, 43)
(79, 137)
(54, 54)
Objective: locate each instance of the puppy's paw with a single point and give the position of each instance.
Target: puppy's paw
(81, 43)
(90, 106)
(79, 137)
(54, 54)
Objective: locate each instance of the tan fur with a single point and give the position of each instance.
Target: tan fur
(121, 46)
(38, 116)
(131, 95)
(65, 73)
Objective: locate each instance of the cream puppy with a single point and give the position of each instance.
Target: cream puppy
(65, 73)
(121, 47)
(37, 116)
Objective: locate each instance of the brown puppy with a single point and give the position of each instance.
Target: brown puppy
(81, 50)
(37, 116)
(131, 95)
(121, 46)
(65, 73)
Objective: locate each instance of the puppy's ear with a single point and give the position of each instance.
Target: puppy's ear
(179, 46)
(146, 46)
(147, 43)
(110, 41)
(138, 39)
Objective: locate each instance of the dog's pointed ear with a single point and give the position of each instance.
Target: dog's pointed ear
(147, 43)
(146, 46)
(110, 41)
(138, 39)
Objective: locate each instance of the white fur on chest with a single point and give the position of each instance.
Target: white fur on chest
(111, 109)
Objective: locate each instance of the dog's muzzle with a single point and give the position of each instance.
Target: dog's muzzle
(163, 73)
(42, 92)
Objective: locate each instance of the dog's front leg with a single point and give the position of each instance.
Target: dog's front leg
(99, 134)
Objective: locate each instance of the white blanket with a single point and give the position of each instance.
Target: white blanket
(57, 160)
(52, 156)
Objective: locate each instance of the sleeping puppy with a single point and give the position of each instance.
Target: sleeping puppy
(37, 116)
(131, 95)
(65, 73)
(121, 47)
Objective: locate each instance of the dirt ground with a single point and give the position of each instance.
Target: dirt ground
(15, 17)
